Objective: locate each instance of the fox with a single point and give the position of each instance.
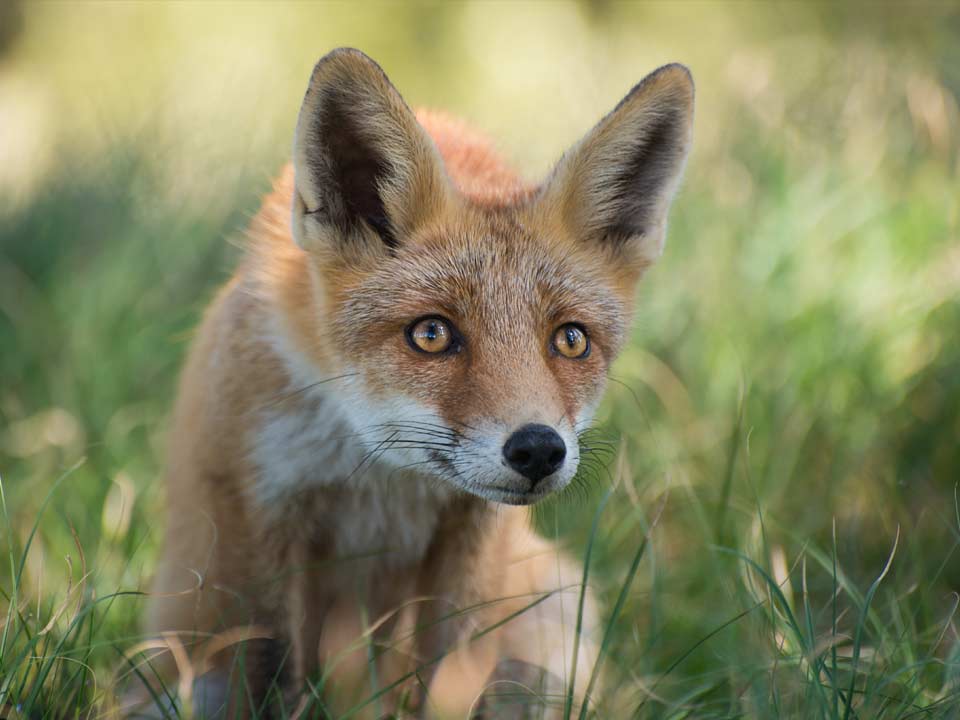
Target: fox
(402, 365)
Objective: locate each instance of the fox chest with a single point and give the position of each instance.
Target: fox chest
(313, 477)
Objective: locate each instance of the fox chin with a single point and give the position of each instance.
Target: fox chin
(405, 358)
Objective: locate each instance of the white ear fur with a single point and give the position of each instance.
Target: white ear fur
(616, 185)
(364, 169)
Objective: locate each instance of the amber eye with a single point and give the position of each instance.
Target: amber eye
(571, 341)
(430, 335)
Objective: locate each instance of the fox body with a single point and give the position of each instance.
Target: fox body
(402, 363)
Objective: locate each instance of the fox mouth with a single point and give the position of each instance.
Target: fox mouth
(469, 460)
(494, 489)
(512, 496)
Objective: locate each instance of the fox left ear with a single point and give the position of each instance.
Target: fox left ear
(365, 172)
(615, 186)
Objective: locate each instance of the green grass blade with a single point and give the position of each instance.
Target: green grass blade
(571, 683)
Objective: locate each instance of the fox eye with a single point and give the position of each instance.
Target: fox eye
(571, 341)
(431, 335)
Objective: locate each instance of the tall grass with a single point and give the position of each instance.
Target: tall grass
(828, 654)
(786, 413)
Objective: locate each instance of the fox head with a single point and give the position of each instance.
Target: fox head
(475, 336)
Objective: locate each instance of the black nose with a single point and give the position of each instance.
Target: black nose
(535, 451)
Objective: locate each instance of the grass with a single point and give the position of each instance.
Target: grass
(781, 533)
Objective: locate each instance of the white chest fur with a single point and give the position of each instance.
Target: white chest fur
(306, 451)
(320, 439)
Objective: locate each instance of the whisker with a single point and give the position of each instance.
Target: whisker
(286, 395)
(407, 467)
(442, 432)
(633, 392)
(366, 457)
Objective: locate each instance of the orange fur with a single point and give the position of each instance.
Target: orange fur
(291, 508)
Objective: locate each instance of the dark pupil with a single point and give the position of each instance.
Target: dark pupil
(572, 337)
(431, 333)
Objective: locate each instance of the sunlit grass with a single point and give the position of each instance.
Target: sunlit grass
(788, 408)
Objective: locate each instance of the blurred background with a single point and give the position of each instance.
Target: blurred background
(792, 388)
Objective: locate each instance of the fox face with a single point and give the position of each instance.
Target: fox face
(473, 335)
(481, 349)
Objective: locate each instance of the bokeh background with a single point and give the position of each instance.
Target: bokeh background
(792, 388)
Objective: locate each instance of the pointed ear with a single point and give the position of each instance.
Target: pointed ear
(366, 173)
(615, 186)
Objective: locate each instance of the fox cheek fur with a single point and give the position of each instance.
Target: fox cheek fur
(398, 362)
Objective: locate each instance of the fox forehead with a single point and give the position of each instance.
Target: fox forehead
(490, 272)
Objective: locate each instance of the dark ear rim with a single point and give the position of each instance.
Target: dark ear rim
(321, 106)
(676, 69)
(672, 131)
(357, 146)
(592, 184)
(361, 204)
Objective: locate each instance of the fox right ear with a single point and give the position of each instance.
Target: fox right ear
(366, 173)
(614, 187)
